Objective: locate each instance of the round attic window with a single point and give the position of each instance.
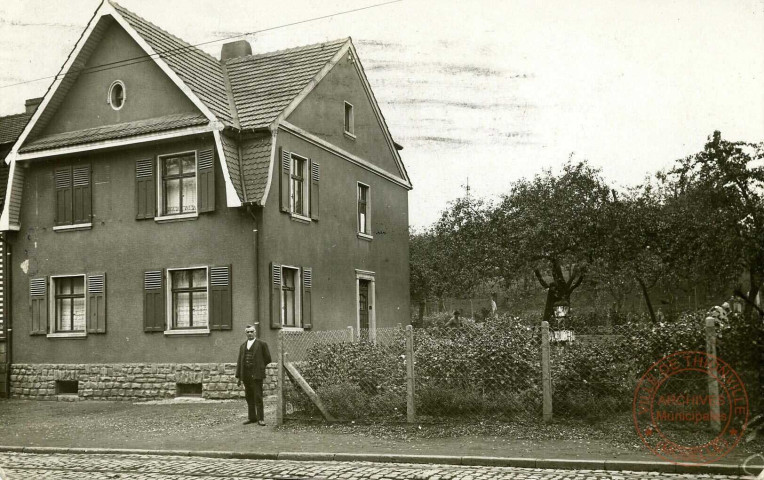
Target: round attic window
(116, 97)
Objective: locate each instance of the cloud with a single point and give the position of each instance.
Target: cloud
(436, 139)
(461, 104)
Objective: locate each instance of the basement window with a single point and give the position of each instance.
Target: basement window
(67, 387)
(116, 96)
(188, 389)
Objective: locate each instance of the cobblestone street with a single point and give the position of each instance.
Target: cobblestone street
(22, 466)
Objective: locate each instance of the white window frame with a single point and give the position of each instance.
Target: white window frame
(124, 94)
(348, 122)
(359, 231)
(162, 216)
(168, 303)
(304, 215)
(371, 277)
(52, 333)
(298, 300)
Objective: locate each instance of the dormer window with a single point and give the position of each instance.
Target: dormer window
(349, 120)
(116, 97)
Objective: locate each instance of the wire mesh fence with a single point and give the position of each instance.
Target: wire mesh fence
(496, 370)
(488, 370)
(356, 375)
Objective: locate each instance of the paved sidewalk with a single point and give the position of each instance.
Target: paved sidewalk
(20, 466)
(216, 429)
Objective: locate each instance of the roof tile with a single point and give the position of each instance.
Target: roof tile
(11, 126)
(111, 132)
(255, 165)
(264, 85)
(200, 71)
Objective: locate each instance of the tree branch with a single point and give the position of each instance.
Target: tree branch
(577, 283)
(541, 279)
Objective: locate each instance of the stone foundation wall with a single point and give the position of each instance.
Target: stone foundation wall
(130, 381)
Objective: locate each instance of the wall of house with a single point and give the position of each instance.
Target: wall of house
(124, 248)
(149, 92)
(322, 113)
(331, 247)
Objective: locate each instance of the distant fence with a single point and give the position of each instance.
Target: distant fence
(501, 370)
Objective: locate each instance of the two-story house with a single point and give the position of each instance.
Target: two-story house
(160, 199)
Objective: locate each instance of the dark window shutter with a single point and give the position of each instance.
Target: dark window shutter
(286, 160)
(275, 295)
(63, 180)
(38, 301)
(153, 301)
(96, 322)
(220, 303)
(145, 189)
(307, 294)
(81, 194)
(205, 183)
(315, 176)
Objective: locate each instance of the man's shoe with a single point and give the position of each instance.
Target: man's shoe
(248, 422)
(260, 422)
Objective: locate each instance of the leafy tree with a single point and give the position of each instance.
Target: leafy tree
(634, 253)
(461, 246)
(719, 201)
(552, 225)
(422, 271)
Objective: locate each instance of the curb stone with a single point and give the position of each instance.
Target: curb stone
(539, 463)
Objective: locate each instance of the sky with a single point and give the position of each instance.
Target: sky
(480, 92)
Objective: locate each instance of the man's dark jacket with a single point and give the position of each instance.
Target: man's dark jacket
(262, 359)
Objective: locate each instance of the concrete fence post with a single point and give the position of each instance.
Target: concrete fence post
(546, 374)
(410, 406)
(280, 400)
(351, 336)
(713, 383)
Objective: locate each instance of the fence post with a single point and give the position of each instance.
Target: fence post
(713, 384)
(280, 401)
(410, 406)
(350, 334)
(546, 375)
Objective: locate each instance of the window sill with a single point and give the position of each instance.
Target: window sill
(68, 335)
(292, 329)
(73, 228)
(364, 236)
(300, 218)
(183, 217)
(349, 135)
(188, 332)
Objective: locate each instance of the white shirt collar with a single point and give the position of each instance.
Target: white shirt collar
(250, 343)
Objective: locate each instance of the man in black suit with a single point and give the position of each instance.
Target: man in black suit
(250, 369)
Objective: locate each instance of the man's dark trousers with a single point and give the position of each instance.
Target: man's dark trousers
(253, 393)
(250, 369)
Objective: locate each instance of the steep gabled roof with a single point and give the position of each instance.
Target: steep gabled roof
(255, 92)
(264, 85)
(200, 71)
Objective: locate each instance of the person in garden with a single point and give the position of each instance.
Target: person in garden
(455, 321)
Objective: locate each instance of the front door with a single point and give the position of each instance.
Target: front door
(363, 308)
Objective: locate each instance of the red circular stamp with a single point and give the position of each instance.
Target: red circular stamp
(690, 407)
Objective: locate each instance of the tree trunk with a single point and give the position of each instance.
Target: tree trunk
(647, 300)
(549, 306)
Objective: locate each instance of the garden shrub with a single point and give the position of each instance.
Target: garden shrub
(493, 368)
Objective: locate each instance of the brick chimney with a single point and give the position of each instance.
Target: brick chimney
(32, 103)
(239, 48)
